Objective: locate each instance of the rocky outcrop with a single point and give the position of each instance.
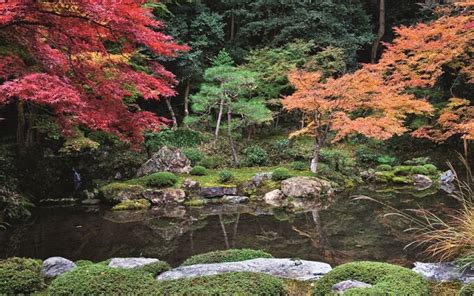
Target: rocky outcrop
(274, 198)
(165, 196)
(301, 270)
(305, 187)
(56, 266)
(129, 263)
(443, 272)
(217, 191)
(343, 286)
(166, 160)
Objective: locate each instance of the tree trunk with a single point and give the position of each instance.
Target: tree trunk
(315, 160)
(219, 118)
(232, 27)
(186, 100)
(30, 131)
(173, 115)
(20, 129)
(381, 32)
(229, 134)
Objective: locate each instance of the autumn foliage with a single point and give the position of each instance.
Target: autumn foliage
(375, 100)
(75, 57)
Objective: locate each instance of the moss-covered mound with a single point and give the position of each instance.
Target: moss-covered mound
(128, 205)
(20, 276)
(98, 279)
(467, 290)
(386, 279)
(155, 268)
(232, 255)
(233, 283)
(403, 174)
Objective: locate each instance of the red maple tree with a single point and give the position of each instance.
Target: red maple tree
(75, 57)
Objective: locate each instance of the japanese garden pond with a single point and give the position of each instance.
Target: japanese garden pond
(344, 230)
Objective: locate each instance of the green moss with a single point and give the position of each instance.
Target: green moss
(402, 180)
(20, 276)
(112, 191)
(195, 202)
(384, 177)
(299, 166)
(467, 290)
(432, 169)
(225, 176)
(420, 169)
(386, 279)
(198, 171)
(83, 262)
(155, 268)
(232, 255)
(281, 174)
(384, 167)
(129, 205)
(98, 279)
(402, 170)
(232, 283)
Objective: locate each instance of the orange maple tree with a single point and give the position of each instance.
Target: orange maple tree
(375, 100)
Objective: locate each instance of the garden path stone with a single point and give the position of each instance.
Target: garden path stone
(301, 270)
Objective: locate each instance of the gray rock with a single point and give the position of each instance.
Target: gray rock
(261, 177)
(166, 160)
(447, 177)
(129, 263)
(218, 191)
(165, 196)
(190, 185)
(286, 268)
(56, 266)
(235, 199)
(304, 187)
(438, 272)
(341, 287)
(422, 182)
(274, 198)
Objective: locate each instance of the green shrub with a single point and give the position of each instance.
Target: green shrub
(467, 290)
(198, 171)
(384, 167)
(98, 279)
(212, 162)
(432, 169)
(337, 159)
(180, 138)
(112, 191)
(20, 276)
(387, 159)
(417, 161)
(255, 156)
(83, 262)
(194, 155)
(131, 205)
(299, 166)
(225, 176)
(366, 154)
(155, 268)
(386, 279)
(281, 174)
(232, 255)
(402, 170)
(161, 179)
(419, 169)
(232, 283)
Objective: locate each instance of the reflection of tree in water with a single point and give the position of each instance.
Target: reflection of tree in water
(234, 231)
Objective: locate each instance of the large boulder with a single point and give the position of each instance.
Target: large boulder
(285, 268)
(218, 191)
(274, 198)
(305, 187)
(166, 160)
(129, 263)
(56, 266)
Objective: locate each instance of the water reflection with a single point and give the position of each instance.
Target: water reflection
(344, 230)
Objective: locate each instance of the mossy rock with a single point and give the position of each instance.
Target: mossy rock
(432, 169)
(232, 283)
(20, 276)
(98, 279)
(467, 290)
(402, 180)
(156, 268)
(402, 170)
(116, 192)
(384, 177)
(161, 179)
(384, 168)
(386, 279)
(420, 169)
(232, 255)
(132, 205)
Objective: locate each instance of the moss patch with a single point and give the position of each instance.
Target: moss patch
(155, 268)
(386, 279)
(127, 205)
(467, 290)
(233, 283)
(232, 255)
(114, 192)
(20, 276)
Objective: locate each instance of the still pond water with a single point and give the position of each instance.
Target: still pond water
(341, 231)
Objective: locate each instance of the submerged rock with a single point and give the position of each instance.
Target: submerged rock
(301, 270)
(129, 263)
(443, 272)
(341, 287)
(304, 187)
(218, 191)
(56, 266)
(166, 160)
